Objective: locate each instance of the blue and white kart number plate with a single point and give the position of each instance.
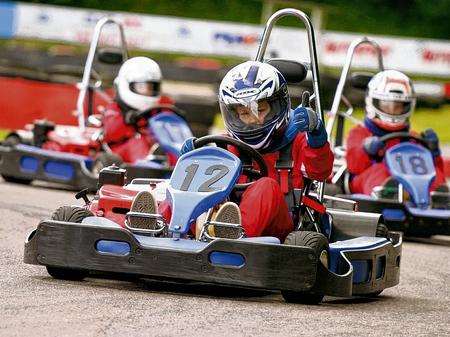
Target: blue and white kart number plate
(170, 131)
(412, 165)
(201, 179)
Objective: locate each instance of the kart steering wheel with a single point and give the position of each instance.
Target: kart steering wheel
(405, 135)
(244, 149)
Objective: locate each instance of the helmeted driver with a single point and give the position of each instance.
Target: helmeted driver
(138, 89)
(390, 101)
(256, 109)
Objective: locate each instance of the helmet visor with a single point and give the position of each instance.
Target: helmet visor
(150, 89)
(251, 115)
(393, 108)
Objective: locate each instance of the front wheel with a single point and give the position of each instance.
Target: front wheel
(319, 243)
(69, 214)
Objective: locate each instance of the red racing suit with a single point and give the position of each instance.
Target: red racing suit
(366, 172)
(263, 207)
(130, 142)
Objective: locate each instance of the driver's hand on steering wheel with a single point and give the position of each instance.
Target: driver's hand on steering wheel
(131, 117)
(373, 145)
(432, 140)
(188, 145)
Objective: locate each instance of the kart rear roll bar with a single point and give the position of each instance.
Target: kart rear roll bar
(313, 65)
(84, 86)
(344, 75)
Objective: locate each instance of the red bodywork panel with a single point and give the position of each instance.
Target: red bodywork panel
(22, 101)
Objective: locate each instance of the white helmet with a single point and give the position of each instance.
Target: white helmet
(254, 103)
(138, 83)
(390, 99)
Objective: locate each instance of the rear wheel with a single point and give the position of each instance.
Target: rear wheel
(69, 214)
(319, 243)
(105, 159)
(381, 231)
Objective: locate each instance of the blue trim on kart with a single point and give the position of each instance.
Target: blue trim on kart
(202, 178)
(412, 165)
(361, 268)
(170, 131)
(59, 170)
(428, 213)
(29, 164)
(393, 214)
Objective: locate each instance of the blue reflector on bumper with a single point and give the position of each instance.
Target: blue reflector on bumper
(391, 214)
(59, 170)
(29, 164)
(224, 259)
(113, 247)
(361, 271)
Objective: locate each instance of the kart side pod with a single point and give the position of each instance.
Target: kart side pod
(347, 225)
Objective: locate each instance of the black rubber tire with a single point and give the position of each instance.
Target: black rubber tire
(12, 140)
(69, 214)
(11, 179)
(319, 243)
(382, 231)
(105, 159)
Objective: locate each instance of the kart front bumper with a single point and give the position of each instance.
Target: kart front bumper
(33, 163)
(260, 265)
(402, 217)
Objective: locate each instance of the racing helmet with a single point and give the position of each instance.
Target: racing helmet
(138, 83)
(255, 104)
(390, 100)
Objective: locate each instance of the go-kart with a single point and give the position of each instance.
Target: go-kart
(335, 252)
(405, 201)
(74, 155)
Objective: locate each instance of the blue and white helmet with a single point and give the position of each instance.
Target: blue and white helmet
(245, 87)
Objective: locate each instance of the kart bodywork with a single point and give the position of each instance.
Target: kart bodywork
(359, 263)
(409, 206)
(73, 156)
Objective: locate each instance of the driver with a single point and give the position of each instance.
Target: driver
(390, 101)
(137, 89)
(256, 109)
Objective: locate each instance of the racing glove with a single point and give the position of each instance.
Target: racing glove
(188, 145)
(432, 141)
(373, 145)
(306, 120)
(131, 117)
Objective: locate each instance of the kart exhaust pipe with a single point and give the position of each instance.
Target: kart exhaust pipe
(348, 225)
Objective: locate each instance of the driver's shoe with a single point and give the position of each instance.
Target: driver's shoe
(143, 202)
(228, 213)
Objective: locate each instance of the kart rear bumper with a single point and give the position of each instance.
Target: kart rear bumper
(264, 265)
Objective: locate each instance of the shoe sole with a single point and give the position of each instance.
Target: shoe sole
(143, 202)
(227, 213)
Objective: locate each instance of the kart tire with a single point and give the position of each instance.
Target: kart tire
(382, 231)
(70, 274)
(69, 214)
(319, 243)
(12, 140)
(11, 179)
(105, 159)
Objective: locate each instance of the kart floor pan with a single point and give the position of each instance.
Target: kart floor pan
(263, 265)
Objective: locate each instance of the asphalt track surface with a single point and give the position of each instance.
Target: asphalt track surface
(33, 304)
